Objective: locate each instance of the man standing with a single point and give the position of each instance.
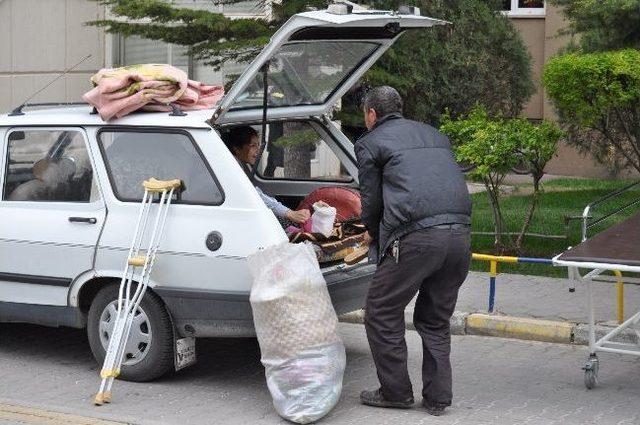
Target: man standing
(417, 210)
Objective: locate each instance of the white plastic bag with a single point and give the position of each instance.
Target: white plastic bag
(296, 325)
(323, 218)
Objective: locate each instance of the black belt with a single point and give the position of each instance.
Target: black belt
(450, 226)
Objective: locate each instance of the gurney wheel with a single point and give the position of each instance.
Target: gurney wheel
(591, 372)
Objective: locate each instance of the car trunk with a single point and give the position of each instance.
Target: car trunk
(308, 65)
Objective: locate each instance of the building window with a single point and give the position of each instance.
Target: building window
(524, 8)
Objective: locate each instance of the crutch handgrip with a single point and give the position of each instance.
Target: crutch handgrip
(110, 373)
(138, 261)
(158, 186)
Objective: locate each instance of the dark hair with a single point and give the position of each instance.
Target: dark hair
(239, 137)
(384, 100)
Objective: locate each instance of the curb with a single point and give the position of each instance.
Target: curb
(520, 328)
(526, 328)
(30, 415)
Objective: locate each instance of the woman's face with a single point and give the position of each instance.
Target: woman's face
(249, 152)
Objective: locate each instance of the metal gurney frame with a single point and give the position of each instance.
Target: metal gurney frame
(603, 344)
(616, 249)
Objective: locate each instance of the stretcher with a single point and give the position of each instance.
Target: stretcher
(616, 250)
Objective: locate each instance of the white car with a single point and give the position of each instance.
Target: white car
(71, 192)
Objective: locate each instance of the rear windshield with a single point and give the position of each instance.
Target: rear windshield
(307, 72)
(134, 156)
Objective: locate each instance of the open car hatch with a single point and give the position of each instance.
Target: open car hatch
(314, 58)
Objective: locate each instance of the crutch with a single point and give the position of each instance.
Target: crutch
(127, 303)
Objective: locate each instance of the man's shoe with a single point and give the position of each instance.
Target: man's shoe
(375, 398)
(434, 409)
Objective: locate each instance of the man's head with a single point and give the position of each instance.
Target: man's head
(244, 143)
(380, 101)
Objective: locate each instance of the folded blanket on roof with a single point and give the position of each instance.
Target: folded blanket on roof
(151, 87)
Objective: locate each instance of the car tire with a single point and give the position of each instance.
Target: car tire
(156, 357)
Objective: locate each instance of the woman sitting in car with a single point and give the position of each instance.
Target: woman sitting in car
(244, 143)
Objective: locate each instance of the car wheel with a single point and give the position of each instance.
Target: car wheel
(149, 349)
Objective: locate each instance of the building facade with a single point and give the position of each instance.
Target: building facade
(40, 39)
(540, 25)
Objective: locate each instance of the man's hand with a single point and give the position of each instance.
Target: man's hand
(367, 238)
(298, 217)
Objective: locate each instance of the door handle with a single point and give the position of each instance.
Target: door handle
(88, 220)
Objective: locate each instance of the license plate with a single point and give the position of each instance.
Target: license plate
(185, 352)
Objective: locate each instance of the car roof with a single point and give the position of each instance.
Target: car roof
(82, 116)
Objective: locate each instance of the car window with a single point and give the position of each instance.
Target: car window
(48, 165)
(306, 73)
(295, 151)
(134, 156)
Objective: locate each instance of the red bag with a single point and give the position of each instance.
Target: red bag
(345, 200)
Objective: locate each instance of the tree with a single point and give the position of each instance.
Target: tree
(597, 96)
(298, 142)
(536, 145)
(481, 141)
(479, 59)
(493, 146)
(210, 37)
(603, 25)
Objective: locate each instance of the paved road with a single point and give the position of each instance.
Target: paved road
(497, 381)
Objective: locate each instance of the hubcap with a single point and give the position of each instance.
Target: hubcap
(139, 340)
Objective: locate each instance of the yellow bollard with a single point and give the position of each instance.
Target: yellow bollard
(620, 287)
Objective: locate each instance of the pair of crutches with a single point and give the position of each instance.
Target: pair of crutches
(128, 303)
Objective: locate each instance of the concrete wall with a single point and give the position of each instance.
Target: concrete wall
(39, 39)
(533, 34)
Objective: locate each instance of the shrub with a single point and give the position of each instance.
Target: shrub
(493, 147)
(597, 96)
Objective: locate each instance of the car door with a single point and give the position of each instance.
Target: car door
(51, 214)
(312, 60)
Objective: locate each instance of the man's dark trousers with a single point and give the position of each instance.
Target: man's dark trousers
(433, 262)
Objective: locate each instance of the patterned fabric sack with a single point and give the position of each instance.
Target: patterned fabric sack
(296, 325)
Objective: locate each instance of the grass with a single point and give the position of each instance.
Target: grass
(560, 198)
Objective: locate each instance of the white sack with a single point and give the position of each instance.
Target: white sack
(323, 218)
(296, 325)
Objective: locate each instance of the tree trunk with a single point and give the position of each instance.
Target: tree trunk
(532, 208)
(498, 221)
(297, 162)
(297, 158)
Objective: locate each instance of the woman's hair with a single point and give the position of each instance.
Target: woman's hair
(238, 137)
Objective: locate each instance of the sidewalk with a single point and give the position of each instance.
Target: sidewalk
(543, 298)
(532, 307)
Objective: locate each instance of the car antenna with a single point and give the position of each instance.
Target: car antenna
(18, 110)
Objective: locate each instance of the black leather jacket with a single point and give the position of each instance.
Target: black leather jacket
(409, 180)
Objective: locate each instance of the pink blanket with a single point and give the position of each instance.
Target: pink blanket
(151, 87)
